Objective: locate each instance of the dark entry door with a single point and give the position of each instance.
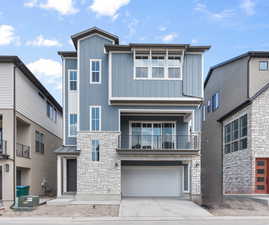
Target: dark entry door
(71, 165)
(262, 176)
(1, 183)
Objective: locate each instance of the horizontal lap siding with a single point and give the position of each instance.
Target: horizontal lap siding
(6, 85)
(124, 85)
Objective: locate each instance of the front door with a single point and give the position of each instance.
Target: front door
(71, 165)
(261, 183)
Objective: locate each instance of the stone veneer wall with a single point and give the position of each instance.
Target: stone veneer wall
(98, 180)
(238, 166)
(259, 130)
(196, 175)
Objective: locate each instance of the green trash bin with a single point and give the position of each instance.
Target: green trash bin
(22, 190)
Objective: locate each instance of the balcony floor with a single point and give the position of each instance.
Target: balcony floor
(126, 151)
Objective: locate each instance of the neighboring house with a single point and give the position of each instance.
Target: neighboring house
(131, 118)
(235, 131)
(30, 129)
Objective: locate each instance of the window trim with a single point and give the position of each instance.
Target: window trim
(69, 114)
(100, 117)
(97, 153)
(213, 109)
(166, 67)
(40, 143)
(100, 71)
(239, 138)
(69, 72)
(263, 61)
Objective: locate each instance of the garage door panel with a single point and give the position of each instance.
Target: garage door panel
(151, 181)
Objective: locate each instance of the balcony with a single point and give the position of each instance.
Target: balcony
(159, 144)
(23, 151)
(3, 149)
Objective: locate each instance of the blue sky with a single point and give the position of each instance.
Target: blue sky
(36, 29)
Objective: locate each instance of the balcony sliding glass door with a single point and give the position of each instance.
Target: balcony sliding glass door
(152, 135)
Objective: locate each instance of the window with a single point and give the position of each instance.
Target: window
(235, 135)
(215, 101)
(39, 142)
(51, 112)
(263, 65)
(95, 118)
(95, 150)
(72, 124)
(157, 66)
(95, 71)
(174, 67)
(153, 135)
(72, 80)
(157, 63)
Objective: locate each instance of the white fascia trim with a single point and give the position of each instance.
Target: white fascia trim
(63, 92)
(100, 117)
(202, 78)
(100, 71)
(158, 110)
(120, 52)
(157, 99)
(109, 77)
(71, 70)
(70, 57)
(113, 42)
(78, 88)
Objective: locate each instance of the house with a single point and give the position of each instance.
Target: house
(132, 118)
(30, 130)
(235, 130)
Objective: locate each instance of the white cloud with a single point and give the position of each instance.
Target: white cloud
(132, 26)
(48, 72)
(226, 13)
(70, 42)
(108, 7)
(7, 35)
(64, 7)
(46, 67)
(169, 37)
(248, 6)
(41, 41)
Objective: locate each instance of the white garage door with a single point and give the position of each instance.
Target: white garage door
(151, 181)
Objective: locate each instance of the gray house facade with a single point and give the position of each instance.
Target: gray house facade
(235, 112)
(132, 119)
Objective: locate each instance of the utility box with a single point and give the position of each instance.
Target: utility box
(28, 201)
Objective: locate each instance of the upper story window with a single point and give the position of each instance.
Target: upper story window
(72, 124)
(263, 65)
(235, 135)
(39, 142)
(72, 80)
(157, 66)
(95, 71)
(215, 102)
(95, 118)
(51, 112)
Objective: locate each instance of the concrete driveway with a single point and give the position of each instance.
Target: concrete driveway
(160, 207)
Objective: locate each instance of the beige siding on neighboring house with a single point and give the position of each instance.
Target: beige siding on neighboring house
(31, 105)
(257, 78)
(6, 85)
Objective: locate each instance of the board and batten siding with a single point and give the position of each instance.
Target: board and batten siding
(124, 84)
(70, 99)
(32, 106)
(6, 85)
